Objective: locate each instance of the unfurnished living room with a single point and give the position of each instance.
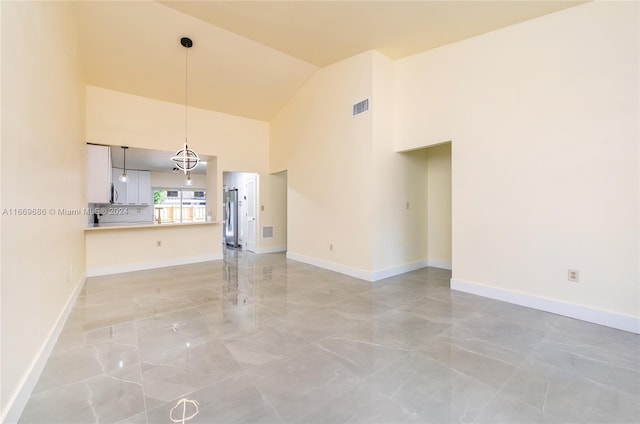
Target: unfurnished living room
(320, 212)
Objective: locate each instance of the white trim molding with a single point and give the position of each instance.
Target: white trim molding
(17, 404)
(331, 266)
(584, 313)
(435, 263)
(360, 273)
(118, 269)
(397, 270)
(270, 249)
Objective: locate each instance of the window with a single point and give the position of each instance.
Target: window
(179, 205)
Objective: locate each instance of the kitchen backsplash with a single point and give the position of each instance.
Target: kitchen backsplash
(122, 214)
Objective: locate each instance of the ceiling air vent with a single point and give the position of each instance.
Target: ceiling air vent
(267, 232)
(361, 107)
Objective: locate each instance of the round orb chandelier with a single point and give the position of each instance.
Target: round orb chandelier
(186, 159)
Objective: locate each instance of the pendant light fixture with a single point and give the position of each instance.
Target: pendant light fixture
(123, 177)
(186, 159)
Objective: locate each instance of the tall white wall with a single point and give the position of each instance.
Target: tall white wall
(43, 167)
(398, 184)
(274, 211)
(543, 119)
(327, 155)
(438, 169)
(347, 185)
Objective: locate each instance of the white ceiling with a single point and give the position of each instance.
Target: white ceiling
(250, 57)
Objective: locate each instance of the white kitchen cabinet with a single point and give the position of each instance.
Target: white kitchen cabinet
(132, 187)
(144, 188)
(119, 188)
(136, 191)
(98, 173)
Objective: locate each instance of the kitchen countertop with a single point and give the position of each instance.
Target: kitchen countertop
(135, 226)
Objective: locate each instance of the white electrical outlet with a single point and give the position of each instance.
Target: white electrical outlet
(573, 275)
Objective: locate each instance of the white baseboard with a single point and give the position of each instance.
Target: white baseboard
(362, 274)
(331, 266)
(94, 272)
(584, 313)
(271, 249)
(435, 263)
(397, 270)
(17, 404)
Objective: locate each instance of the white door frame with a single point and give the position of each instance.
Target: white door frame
(251, 208)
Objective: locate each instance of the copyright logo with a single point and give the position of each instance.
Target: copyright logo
(52, 211)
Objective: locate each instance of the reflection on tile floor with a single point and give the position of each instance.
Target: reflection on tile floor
(263, 339)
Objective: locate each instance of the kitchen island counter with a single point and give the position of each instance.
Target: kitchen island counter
(146, 225)
(124, 248)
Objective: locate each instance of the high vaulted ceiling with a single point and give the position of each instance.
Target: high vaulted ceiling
(250, 57)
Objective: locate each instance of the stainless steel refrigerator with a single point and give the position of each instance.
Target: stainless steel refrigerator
(231, 225)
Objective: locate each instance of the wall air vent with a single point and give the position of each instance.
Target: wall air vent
(360, 107)
(267, 232)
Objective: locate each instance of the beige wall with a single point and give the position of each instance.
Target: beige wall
(170, 180)
(238, 144)
(438, 168)
(347, 186)
(543, 118)
(423, 178)
(274, 212)
(327, 155)
(43, 166)
(179, 244)
(397, 182)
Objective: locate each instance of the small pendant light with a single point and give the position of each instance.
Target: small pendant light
(123, 177)
(186, 159)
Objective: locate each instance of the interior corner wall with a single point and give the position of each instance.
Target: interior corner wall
(399, 227)
(273, 209)
(543, 118)
(43, 169)
(327, 154)
(438, 216)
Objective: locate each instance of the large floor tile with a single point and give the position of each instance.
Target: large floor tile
(487, 369)
(86, 362)
(233, 400)
(431, 390)
(101, 399)
(269, 343)
(187, 370)
(264, 339)
(362, 404)
(310, 377)
(565, 396)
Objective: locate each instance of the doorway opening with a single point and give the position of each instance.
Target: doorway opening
(240, 214)
(433, 172)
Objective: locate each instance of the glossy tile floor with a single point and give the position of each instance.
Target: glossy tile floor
(262, 339)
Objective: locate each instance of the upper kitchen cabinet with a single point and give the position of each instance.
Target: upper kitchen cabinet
(119, 188)
(99, 173)
(144, 188)
(136, 191)
(132, 187)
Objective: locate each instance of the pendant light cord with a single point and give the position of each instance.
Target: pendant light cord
(186, 93)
